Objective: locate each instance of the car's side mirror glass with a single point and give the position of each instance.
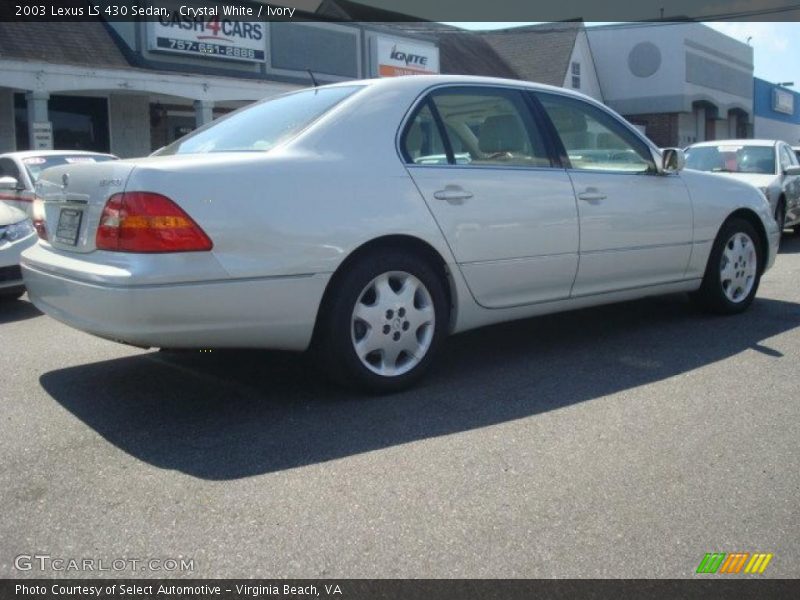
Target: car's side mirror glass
(9, 183)
(672, 160)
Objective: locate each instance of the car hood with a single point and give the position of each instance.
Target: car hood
(756, 179)
(9, 215)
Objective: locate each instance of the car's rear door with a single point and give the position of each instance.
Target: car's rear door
(635, 224)
(506, 208)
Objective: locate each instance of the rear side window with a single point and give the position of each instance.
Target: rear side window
(262, 126)
(483, 127)
(422, 142)
(8, 168)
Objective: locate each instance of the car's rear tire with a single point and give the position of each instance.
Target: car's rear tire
(383, 322)
(734, 269)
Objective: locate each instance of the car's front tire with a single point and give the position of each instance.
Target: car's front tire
(383, 322)
(734, 268)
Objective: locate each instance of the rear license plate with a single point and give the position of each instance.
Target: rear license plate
(69, 225)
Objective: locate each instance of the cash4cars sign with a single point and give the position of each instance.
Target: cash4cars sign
(402, 58)
(208, 35)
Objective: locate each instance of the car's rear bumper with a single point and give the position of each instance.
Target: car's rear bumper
(271, 312)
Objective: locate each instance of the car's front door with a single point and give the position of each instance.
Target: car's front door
(635, 224)
(505, 207)
(790, 184)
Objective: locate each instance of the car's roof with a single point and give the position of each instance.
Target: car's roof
(422, 82)
(737, 142)
(31, 153)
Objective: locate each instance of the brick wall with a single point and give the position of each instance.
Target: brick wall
(662, 128)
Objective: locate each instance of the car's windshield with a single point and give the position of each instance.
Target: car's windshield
(36, 164)
(262, 126)
(732, 158)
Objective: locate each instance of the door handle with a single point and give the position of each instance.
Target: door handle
(591, 195)
(452, 193)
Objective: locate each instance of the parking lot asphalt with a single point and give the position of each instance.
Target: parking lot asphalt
(621, 441)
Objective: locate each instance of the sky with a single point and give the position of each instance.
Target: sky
(776, 46)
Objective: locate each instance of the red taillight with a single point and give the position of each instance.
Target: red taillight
(147, 222)
(38, 218)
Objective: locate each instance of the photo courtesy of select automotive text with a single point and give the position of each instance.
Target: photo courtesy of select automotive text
(399, 300)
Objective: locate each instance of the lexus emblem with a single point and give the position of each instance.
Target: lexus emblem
(65, 180)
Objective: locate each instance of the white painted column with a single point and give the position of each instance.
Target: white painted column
(8, 137)
(203, 112)
(701, 124)
(39, 121)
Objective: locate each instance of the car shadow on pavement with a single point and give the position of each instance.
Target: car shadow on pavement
(17, 310)
(231, 414)
(790, 243)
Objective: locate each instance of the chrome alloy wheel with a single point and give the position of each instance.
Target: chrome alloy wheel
(393, 323)
(738, 267)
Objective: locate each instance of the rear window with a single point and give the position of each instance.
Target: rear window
(732, 158)
(36, 164)
(261, 126)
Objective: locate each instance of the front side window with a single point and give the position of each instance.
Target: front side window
(593, 139)
(489, 127)
(262, 126)
(731, 158)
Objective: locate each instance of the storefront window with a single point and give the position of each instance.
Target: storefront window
(79, 123)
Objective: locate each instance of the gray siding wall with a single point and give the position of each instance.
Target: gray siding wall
(130, 125)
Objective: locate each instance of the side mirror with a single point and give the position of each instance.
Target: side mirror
(793, 170)
(672, 160)
(9, 184)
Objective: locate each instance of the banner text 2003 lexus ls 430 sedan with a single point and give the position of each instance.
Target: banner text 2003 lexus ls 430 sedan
(367, 220)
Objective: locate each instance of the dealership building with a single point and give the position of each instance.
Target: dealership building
(130, 87)
(777, 112)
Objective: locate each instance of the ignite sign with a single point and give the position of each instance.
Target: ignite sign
(208, 36)
(402, 58)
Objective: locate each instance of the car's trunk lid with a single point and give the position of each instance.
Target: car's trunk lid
(74, 197)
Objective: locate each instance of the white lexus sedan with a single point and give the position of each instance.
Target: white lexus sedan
(770, 165)
(367, 220)
(16, 234)
(20, 170)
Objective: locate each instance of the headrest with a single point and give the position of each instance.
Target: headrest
(501, 133)
(567, 120)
